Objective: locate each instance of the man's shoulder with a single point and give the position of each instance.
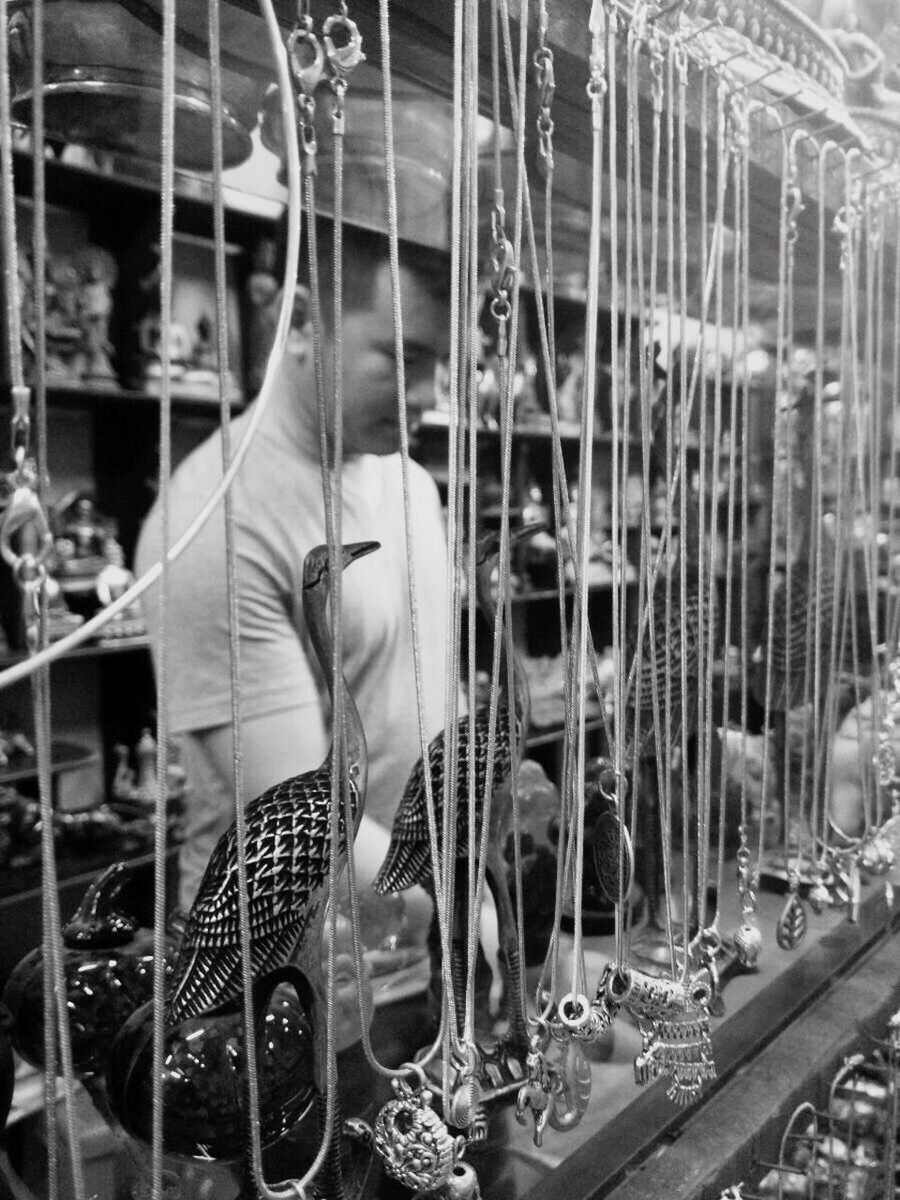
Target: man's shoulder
(421, 481)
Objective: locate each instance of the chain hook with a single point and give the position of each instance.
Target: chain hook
(343, 44)
(306, 58)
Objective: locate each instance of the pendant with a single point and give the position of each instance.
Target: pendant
(673, 1018)
(819, 896)
(462, 1184)
(884, 759)
(747, 942)
(415, 1145)
(571, 1077)
(612, 850)
(791, 928)
(606, 1003)
(466, 1110)
(534, 1094)
(890, 831)
(581, 1019)
(876, 856)
(747, 939)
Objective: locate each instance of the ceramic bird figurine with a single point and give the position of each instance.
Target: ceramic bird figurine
(288, 846)
(408, 860)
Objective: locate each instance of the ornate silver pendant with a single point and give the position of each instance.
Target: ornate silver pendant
(673, 1017)
(416, 1146)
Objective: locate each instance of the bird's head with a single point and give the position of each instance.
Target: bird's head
(487, 550)
(315, 565)
(487, 546)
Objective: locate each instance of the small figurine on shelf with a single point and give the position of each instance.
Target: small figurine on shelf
(64, 361)
(98, 272)
(80, 534)
(135, 790)
(60, 618)
(14, 742)
(113, 580)
(262, 296)
(201, 376)
(150, 359)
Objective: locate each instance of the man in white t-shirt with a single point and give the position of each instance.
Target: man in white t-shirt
(278, 517)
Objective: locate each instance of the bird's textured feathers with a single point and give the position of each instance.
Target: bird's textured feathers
(667, 647)
(408, 859)
(288, 851)
(793, 643)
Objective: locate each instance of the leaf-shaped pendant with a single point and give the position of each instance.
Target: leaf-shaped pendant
(791, 928)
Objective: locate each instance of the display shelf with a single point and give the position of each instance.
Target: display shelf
(569, 431)
(542, 595)
(98, 649)
(547, 737)
(421, 50)
(116, 184)
(84, 396)
(64, 756)
(795, 1019)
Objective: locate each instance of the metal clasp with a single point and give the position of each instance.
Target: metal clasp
(306, 59)
(344, 51)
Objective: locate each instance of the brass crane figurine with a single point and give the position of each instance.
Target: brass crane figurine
(288, 847)
(408, 860)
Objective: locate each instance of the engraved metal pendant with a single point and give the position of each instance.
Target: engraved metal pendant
(884, 759)
(413, 1141)
(747, 943)
(673, 1017)
(571, 1075)
(462, 1184)
(535, 1092)
(890, 831)
(792, 924)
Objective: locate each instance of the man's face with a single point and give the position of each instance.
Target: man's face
(371, 424)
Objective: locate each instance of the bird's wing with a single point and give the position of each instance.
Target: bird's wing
(209, 977)
(408, 860)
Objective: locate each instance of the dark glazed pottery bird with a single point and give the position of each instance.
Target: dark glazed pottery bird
(108, 967)
(204, 1085)
(408, 860)
(288, 849)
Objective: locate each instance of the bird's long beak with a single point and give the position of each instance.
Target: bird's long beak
(361, 549)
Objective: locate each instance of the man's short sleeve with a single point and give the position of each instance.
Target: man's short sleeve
(275, 670)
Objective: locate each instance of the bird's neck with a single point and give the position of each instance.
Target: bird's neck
(354, 735)
(488, 608)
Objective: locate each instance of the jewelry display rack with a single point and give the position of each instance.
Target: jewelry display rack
(820, 240)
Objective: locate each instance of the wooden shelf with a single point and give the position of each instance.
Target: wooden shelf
(421, 50)
(65, 756)
(546, 737)
(124, 645)
(118, 183)
(542, 595)
(84, 396)
(435, 423)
